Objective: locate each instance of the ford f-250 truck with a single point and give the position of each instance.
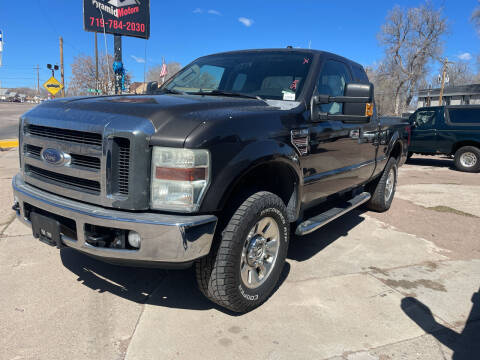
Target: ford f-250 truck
(450, 130)
(214, 168)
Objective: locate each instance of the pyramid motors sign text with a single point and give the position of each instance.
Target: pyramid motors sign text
(120, 17)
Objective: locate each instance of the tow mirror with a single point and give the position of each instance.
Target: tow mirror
(357, 104)
(152, 86)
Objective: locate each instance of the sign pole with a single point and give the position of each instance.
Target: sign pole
(117, 44)
(62, 73)
(96, 64)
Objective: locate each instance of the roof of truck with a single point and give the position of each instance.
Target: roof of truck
(288, 50)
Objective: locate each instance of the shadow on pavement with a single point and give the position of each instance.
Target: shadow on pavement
(134, 284)
(172, 288)
(178, 288)
(465, 345)
(443, 162)
(303, 248)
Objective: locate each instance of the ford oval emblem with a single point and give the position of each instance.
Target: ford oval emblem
(55, 157)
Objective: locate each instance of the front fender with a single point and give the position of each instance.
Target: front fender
(227, 171)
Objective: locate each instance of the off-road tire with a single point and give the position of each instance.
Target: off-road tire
(467, 149)
(378, 188)
(218, 274)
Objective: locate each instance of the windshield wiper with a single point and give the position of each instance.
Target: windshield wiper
(226, 93)
(170, 91)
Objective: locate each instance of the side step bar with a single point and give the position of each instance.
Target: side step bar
(316, 222)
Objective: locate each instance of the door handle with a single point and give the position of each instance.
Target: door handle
(355, 134)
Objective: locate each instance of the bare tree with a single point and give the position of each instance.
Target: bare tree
(412, 39)
(460, 73)
(384, 93)
(153, 73)
(83, 75)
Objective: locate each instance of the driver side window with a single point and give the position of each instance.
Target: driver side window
(332, 80)
(425, 119)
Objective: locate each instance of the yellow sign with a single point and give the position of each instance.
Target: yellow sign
(53, 86)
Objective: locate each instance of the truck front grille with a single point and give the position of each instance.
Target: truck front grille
(90, 162)
(75, 183)
(80, 137)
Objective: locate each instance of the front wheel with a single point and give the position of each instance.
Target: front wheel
(467, 159)
(243, 272)
(383, 189)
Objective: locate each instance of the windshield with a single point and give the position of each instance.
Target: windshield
(268, 75)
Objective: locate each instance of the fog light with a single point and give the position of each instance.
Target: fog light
(134, 239)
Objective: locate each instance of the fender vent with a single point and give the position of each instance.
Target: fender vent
(300, 139)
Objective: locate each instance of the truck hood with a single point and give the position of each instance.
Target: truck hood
(170, 118)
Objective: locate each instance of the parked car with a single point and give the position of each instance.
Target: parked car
(448, 130)
(212, 169)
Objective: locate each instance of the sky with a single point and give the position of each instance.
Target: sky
(184, 30)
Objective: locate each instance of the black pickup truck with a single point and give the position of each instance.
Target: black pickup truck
(214, 168)
(449, 130)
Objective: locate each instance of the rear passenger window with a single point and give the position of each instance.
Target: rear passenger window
(359, 74)
(466, 116)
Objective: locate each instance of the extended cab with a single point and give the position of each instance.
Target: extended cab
(214, 168)
(449, 130)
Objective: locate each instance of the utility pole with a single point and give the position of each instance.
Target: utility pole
(96, 64)
(38, 78)
(445, 63)
(62, 73)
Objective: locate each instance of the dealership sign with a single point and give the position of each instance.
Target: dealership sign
(119, 17)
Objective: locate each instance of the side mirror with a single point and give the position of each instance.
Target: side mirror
(364, 94)
(152, 86)
(412, 120)
(357, 104)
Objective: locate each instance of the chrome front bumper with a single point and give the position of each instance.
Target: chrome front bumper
(169, 239)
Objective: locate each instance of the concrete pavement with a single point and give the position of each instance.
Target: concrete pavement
(398, 285)
(10, 113)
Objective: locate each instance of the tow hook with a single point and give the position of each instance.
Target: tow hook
(16, 207)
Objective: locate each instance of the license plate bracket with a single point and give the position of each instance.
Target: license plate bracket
(46, 229)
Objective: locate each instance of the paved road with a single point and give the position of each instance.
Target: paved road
(398, 285)
(9, 114)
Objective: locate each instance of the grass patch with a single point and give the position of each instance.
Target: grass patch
(448, 209)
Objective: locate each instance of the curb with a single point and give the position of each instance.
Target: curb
(8, 144)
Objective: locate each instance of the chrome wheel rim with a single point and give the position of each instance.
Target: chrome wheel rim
(468, 159)
(260, 252)
(389, 185)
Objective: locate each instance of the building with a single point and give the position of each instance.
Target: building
(454, 95)
(138, 88)
(3, 94)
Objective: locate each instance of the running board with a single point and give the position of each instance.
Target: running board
(323, 219)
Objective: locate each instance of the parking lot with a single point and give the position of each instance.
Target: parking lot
(398, 285)
(9, 114)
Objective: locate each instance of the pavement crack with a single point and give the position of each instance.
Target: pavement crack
(6, 224)
(160, 281)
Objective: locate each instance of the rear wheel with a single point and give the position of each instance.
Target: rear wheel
(383, 189)
(467, 159)
(251, 253)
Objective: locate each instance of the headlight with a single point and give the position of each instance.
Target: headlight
(179, 178)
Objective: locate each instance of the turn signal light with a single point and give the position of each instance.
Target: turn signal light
(180, 174)
(369, 109)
